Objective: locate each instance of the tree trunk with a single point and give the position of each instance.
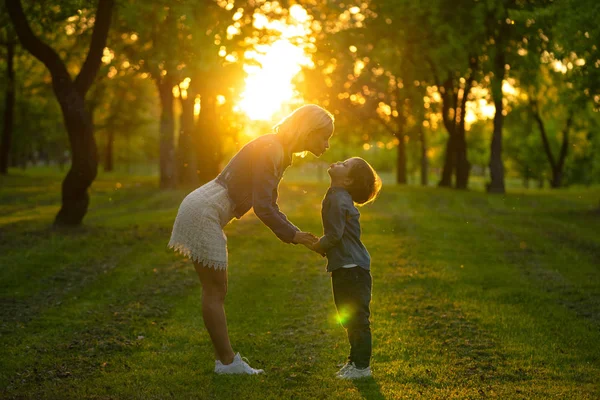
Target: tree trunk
(128, 153)
(449, 162)
(109, 152)
(71, 97)
(208, 146)
(84, 163)
(496, 166)
(168, 178)
(401, 159)
(8, 108)
(115, 109)
(424, 159)
(186, 155)
(557, 175)
(449, 102)
(555, 166)
(542, 128)
(558, 171)
(463, 167)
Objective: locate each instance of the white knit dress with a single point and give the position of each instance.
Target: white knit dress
(198, 228)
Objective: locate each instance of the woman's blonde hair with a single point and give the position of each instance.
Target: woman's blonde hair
(295, 128)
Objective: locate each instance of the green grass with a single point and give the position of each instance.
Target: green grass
(475, 296)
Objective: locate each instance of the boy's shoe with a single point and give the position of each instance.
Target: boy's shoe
(238, 366)
(343, 369)
(355, 373)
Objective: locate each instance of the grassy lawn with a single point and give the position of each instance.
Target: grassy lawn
(475, 296)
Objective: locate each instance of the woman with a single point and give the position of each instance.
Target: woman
(250, 180)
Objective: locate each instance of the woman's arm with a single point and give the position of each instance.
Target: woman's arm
(264, 194)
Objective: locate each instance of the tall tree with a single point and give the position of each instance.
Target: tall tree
(455, 90)
(9, 43)
(445, 39)
(556, 164)
(554, 94)
(498, 23)
(186, 157)
(183, 42)
(70, 94)
(576, 32)
(153, 37)
(511, 26)
(369, 76)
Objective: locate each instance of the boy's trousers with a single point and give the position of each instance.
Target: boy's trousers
(352, 296)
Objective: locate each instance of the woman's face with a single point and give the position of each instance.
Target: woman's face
(317, 141)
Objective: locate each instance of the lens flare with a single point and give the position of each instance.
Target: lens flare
(343, 315)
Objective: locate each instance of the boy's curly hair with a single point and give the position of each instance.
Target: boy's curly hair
(366, 184)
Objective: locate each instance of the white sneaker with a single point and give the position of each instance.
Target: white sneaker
(238, 366)
(343, 369)
(354, 373)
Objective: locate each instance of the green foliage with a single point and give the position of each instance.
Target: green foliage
(38, 132)
(388, 54)
(584, 165)
(523, 145)
(578, 34)
(127, 111)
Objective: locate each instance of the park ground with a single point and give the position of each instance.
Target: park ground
(474, 296)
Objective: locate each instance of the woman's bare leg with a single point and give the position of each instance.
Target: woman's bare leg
(214, 289)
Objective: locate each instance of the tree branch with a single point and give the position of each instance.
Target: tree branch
(433, 71)
(466, 90)
(565, 144)
(33, 44)
(448, 88)
(538, 118)
(92, 63)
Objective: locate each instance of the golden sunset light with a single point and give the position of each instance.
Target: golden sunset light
(269, 84)
(404, 196)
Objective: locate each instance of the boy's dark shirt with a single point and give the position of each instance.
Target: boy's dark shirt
(341, 240)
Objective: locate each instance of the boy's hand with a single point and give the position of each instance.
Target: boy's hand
(305, 238)
(317, 249)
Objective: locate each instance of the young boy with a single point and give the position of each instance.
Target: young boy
(353, 181)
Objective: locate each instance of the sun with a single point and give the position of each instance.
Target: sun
(269, 85)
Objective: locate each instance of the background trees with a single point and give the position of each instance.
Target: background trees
(70, 94)
(434, 93)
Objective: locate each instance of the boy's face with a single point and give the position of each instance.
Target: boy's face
(340, 171)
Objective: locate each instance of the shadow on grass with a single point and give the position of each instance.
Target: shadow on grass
(369, 388)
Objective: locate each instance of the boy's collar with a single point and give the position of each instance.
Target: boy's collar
(334, 189)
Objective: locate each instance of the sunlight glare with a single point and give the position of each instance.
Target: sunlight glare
(298, 13)
(270, 85)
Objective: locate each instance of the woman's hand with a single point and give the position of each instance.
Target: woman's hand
(305, 238)
(309, 241)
